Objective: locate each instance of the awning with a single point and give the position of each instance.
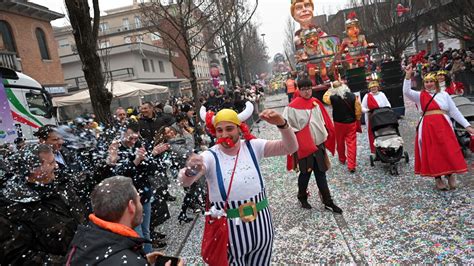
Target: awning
(121, 89)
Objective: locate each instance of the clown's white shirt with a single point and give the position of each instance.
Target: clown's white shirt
(246, 183)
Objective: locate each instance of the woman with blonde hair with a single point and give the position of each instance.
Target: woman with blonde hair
(371, 101)
(437, 151)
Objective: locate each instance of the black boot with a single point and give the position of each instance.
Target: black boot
(332, 207)
(325, 196)
(303, 198)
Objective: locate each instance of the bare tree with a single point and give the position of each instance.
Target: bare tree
(188, 27)
(231, 36)
(85, 35)
(255, 56)
(390, 32)
(460, 19)
(289, 44)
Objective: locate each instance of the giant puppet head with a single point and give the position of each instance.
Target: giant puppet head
(228, 115)
(302, 12)
(352, 26)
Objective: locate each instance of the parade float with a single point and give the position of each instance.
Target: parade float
(324, 58)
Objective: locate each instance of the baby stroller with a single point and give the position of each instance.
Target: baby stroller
(387, 140)
(466, 107)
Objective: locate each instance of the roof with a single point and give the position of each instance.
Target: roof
(22, 7)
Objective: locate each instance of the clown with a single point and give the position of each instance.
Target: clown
(371, 101)
(354, 45)
(307, 39)
(236, 188)
(437, 151)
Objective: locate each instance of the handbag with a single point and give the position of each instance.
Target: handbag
(215, 239)
(306, 145)
(327, 162)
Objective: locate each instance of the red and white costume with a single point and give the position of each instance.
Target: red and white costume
(370, 102)
(437, 151)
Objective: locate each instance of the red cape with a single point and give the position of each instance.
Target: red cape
(302, 103)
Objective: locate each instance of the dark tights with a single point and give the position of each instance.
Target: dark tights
(321, 181)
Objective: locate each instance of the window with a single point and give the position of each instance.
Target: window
(63, 43)
(104, 44)
(162, 66)
(127, 39)
(38, 104)
(43, 45)
(146, 67)
(6, 37)
(138, 22)
(155, 36)
(125, 24)
(103, 26)
(152, 65)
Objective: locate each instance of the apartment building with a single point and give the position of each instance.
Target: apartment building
(27, 42)
(129, 51)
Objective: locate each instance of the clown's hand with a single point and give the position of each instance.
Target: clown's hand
(194, 169)
(272, 117)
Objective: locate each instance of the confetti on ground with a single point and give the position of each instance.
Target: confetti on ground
(387, 219)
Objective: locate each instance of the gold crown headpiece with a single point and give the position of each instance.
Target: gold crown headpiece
(430, 77)
(442, 72)
(374, 83)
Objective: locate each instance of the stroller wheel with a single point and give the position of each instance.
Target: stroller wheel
(372, 160)
(393, 169)
(407, 159)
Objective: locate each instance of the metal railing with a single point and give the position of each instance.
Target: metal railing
(122, 28)
(9, 60)
(78, 83)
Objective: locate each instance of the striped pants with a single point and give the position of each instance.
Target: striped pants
(250, 243)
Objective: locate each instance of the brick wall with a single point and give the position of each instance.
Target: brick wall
(46, 72)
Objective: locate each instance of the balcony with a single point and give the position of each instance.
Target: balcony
(77, 83)
(117, 30)
(9, 60)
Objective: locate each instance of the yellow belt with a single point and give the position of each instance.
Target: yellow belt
(435, 112)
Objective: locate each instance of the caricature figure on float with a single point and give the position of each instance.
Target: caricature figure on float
(354, 45)
(307, 40)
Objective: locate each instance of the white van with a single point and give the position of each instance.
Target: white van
(25, 106)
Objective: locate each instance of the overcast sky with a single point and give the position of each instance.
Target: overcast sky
(271, 15)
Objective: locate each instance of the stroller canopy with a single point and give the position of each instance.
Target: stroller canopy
(383, 117)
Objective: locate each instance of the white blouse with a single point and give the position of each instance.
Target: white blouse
(443, 99)
(381, 99)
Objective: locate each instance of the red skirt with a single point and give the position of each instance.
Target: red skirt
(440, 150)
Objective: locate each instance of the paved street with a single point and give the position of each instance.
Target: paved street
(387, 219)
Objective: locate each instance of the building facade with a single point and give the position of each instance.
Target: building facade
(27, 42)
(129, 52)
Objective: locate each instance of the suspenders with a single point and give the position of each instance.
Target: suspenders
(220, 180)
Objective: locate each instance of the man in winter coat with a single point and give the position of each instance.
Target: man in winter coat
(37, 218)
(109, 238)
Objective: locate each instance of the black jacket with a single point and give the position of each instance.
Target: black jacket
(168, 119)
(93, 245)
(36, 224)
(140, 174)
(149, 126)
(213, 104)
(343, 110)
